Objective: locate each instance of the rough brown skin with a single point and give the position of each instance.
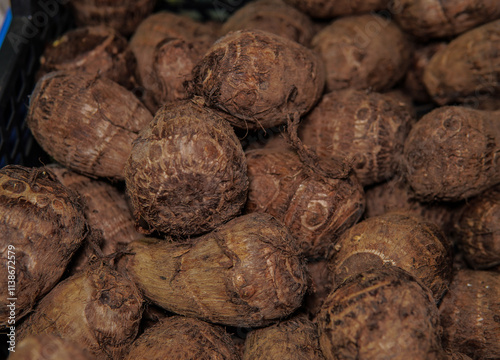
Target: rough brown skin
(319, 288)
(452, 153)
(478, 230)
(123, 16)
(470, 314)
(437, 19)
(106, 210)
(98, 308)
(293, 339)
(327, 9)
(398, 239)
(182, 338)
(48, 347)
(86, 122)
(380, 314)
(187, 172)
(457, 356)
(246, 273)
(174, 60)
(44, 225)
(414, 79)
(259, 78)
(95, 50)
(355, 52)
(369, 128)
(316, 209)
(155, 29)
(273, 16)
(467, 70)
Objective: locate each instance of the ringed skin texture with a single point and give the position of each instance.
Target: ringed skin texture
(97, 308)
(479, 230)
(367, 128)
(246, 273)
(439, 19)
(187, 172)
(452, 153)
(259, 78)
(123, 16)
(398, 239)
(86, 122)
(182, 338)
(41, 227)
(466, 71)
(292, 339)
(316, 209)
(48, 347)
(326, 9)
(470, 314)
(273, 16)
(383, 313)
(356, 53)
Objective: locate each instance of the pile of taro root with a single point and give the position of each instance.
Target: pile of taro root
(310, 179)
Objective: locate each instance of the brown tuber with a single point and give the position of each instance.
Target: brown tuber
(259, 78)
(327, 9)
(49, 347)
(41, 227)
(246, 273)
(182, 338)
(187, 172)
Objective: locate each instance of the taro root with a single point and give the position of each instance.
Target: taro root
(187, 172)
(246, 273)
(292, 339)
(369, 128)
(98, 308)
(273, 16)
(105, 208)
(155, 29)
(478, 230)
(86, 122)
(123, 16)
(437, 19)
(356, 53)
(330, 9)
(381, 314)
(41, 227)
(94, 50)
(398, 239)
(457, 356)
(452, 153)
(182, 338)
(470, 314)
(49, 347)
(467, 70)
(259, 78)
(315, 208)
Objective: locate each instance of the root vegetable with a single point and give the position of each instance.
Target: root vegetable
(293, 339)
(356, 55)
(94, 50)
(470, 314)
(246, 273)
(273, 16)
(41, 227)
(369, 128)
(98, 308)
(181, 338)
(87, 123)
(123, 16)
(380, 314)
(187, 172)
(48, 347)
(316, 209)
(398, 239)
(437, 19)
(466, 71)
(330, 9)
(259, 78)
(452, 154)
